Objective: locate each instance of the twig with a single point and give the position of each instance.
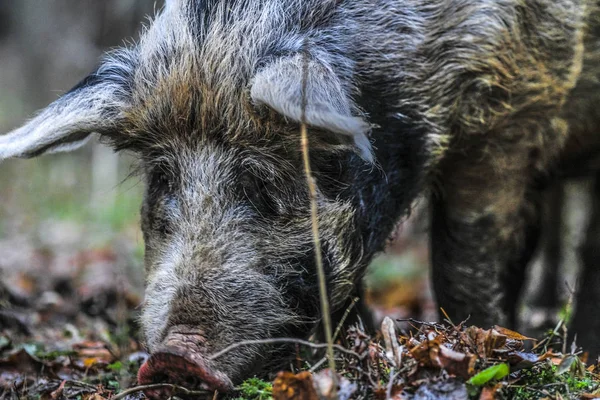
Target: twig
(416, 321)
(317, 365)
(344, 317)
(283, 340)
(447, 317)
(310, 180)
(72, 382)
(390, 386)
(175, 388)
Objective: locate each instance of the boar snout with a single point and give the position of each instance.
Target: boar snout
(180, 360)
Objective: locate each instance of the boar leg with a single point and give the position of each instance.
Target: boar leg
(586, 322)
(514, 274)
(547, 294)
(485, 226)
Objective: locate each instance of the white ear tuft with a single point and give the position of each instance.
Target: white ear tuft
(329, 107)
(67, 123)
(46, 133)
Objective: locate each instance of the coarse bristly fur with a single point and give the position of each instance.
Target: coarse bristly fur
(469, 94)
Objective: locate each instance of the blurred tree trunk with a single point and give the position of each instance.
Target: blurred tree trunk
(47, 47)
(4, 20)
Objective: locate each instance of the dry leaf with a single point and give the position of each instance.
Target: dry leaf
(591, 368)
(95, 396)
(511, 334)
(424, 351)
(489, 393)
(288, 386)
(433, 353)
(483, 342)
(591, 395)
(455, 363)
(93, 352)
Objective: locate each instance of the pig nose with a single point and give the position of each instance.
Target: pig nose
(180, 366)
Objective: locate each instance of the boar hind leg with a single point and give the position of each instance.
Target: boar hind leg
(547, 295)
(525, 243)
(586, 322)
(485, 227)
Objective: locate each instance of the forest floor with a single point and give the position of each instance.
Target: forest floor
(69, 330)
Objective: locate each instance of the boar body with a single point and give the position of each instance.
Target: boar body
(463, 97)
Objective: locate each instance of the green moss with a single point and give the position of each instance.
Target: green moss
(255, 389)
(542, 381)
(116, 366)
(53, 355)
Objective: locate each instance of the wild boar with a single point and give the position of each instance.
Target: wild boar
(462, 98)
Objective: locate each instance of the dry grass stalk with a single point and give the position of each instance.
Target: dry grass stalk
(312, 189)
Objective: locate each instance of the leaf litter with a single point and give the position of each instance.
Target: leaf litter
(442, 361)
(68, 330)
(50, 354)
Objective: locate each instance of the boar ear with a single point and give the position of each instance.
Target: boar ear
(91, 106)
(279, 86)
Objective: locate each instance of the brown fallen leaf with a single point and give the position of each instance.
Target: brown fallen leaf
(583, 357)
(424, 352)
(556, 360)
(485, 343)
(90, 354)
(591, 395)
(511, 334)
(397, 393)
(94, 396)
(455, 363)
(288, 386)
(591, 368)
(493, 340)
(432, 353)
(489, 392)
(94, 350)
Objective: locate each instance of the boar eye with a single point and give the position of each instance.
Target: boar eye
(256, 192)
(160, 180)
(161, 196)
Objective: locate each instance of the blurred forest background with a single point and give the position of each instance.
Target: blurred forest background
(61, 212)
(75, 217)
